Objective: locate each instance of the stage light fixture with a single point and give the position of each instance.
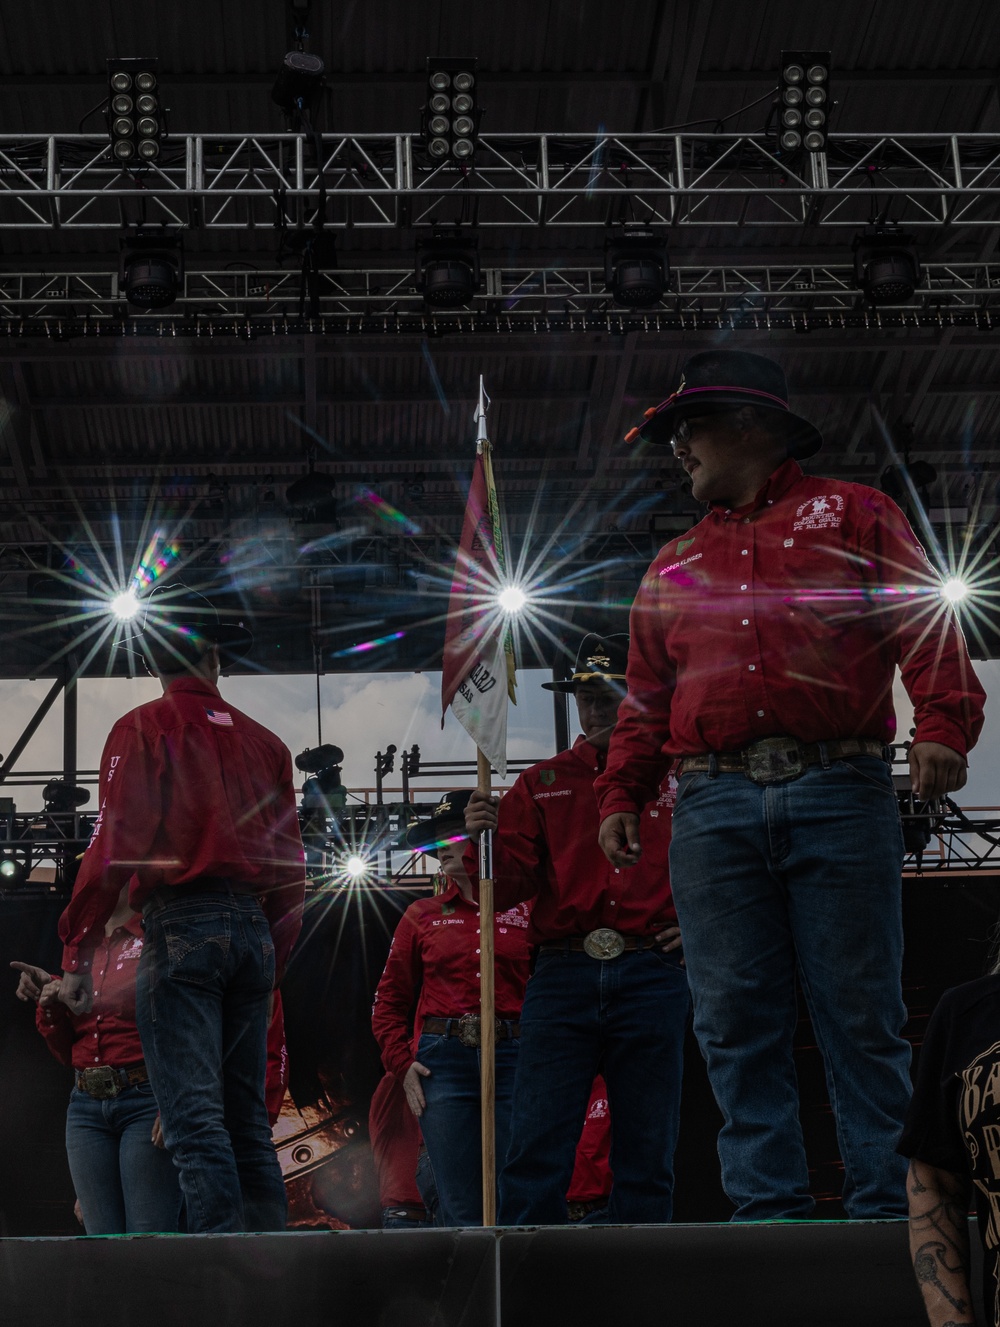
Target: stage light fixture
(447, 269)
(124, 606)
(954, 589)
(355, 867)
(150, 270)
(886, 266)
(512, 600)
(805, 100)
(300, 83)
(13, 871)
(450, 118)
(636, 267)
(135, 111)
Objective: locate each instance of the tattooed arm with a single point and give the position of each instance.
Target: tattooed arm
(939, 1242)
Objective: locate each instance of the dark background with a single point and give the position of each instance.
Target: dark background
(334, 1062)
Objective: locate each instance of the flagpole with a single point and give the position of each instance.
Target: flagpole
(487, 1008)
(487, 967)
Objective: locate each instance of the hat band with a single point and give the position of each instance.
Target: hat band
(589, 677)
(743, 391)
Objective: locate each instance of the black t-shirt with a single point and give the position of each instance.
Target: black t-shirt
(953, 1121)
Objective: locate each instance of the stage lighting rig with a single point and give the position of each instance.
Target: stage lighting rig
(636, 267)
(150, 269)
(14, 871)
(450, 119)
(886, 266)
(60, 797)
(805, 100)
(135, 112)
(447, 269)
(300, 83)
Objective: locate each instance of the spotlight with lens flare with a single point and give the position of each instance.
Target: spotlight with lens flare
(355, 867)
(512, 599)
(125, 605)
(954, 589)
(13, 871)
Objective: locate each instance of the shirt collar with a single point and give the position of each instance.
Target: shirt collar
(199, 685)
(590, 755)
(776, 486)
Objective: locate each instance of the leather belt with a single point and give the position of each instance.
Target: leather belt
(778, 759)
(467, 1029)
(403, 1212)
(604, 943)
(102, 1081)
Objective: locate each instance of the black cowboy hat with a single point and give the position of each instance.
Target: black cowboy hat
(600, 659)
(180, 622)
(445, 823)
(717, 381)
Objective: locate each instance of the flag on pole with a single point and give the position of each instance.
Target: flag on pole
(478, 672)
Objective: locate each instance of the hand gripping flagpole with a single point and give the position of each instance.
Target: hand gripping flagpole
(487, 985)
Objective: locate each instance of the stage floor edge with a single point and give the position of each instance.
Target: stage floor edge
(808, 1274)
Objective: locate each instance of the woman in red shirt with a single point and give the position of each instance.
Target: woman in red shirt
(125, 1182)
(434, 965)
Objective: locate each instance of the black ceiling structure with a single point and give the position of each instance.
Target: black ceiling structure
(296, 341)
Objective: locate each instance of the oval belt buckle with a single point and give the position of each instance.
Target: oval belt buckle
(469, 1031)
(604, 943)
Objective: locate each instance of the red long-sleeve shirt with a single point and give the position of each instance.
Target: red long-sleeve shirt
(787, 617)
(395, 1138)
(190, 788)
(545, 849)
(434, 964)
(107, 1034)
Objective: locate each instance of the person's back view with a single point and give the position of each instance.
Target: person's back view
(197, 805)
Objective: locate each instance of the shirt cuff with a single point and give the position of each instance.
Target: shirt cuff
(78, 958)
(937, 729)
(616, 801)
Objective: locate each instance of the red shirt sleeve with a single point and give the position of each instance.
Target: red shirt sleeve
(57, 1028)
(636, 766)
(937, 673)
(129, 816)
(520, 851)
(396, 997)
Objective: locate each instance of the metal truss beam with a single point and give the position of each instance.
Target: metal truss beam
(570, 297)
(239, 182)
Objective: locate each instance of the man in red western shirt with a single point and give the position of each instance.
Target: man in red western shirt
(198, 809)
(763, 648)
(608, 993)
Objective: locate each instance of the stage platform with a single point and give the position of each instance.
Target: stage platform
(809, 1274)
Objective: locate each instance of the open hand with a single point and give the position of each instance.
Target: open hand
(413, 1088)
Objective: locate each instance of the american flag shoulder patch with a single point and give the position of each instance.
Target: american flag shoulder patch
(221, 717)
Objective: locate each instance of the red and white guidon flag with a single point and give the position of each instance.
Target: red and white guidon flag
(478, 670)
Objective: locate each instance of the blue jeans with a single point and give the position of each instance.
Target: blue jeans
(624, 1017)
(451, 1123)
(202, 994)
(800, 877)
(125, 1185)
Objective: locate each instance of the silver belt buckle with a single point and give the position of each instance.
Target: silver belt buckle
(100, 1082)
(604, 943)
(773, 760)
(469, 1030)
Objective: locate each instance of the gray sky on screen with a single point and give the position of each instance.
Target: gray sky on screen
(363, 713)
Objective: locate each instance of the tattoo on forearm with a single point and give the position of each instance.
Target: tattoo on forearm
(926, 1263)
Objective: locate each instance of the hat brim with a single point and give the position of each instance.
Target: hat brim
(568, 687)
(802, 438)
(434, 833)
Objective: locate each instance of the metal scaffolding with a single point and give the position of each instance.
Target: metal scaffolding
(236, 182)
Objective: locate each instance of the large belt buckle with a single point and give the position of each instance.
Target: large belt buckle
(774, 760)
(469, 1030)
(604, 943)
(100, 1082)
